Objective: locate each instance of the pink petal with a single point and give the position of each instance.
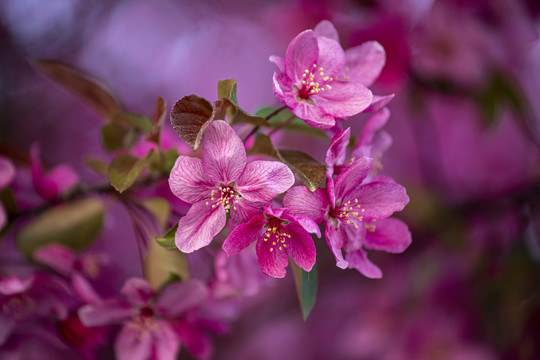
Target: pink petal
(243, 210)
(7, 172)
(178, 297)
(358, 260)
(272, 262)
(243, 235)
(326, 28)
(390, 235)
(166, 341)
(331, 190)
(188, 180)
(380, 199)
(84, 290)
(133, 344)
(300, 201)
(331, 57)
(262, 180)
(279, 62)
(109, 312)
(352, 177)
(3, 216)
(373, 125)
(12, 285)
(63, 177)
(196, 342)
(335, 240)
(344, 99)
(301, 54)
(308, 224)
(301, 247)
(223, 155)
(137, 291)
(199, 226)
(378, 102)
(365, 62)
(284, 92)
(58, 257)
(338, 148)
(313, 115)
(7, 324)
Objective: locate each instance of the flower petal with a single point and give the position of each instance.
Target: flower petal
(271, 260)
(300, 201)
(378, 102)
(338, 148)
(133, 344)
(365, 62)
(188, 180)
(326, 28)
(283, 90)
(390, 235)
(301, 247)
(223, 155)
(243, 235)
(335, 240)
(84, 290)
(301, 54)
(380, 199)
(373, 125)
(58, 257)
(313, 115)
(199, 226)
(279, 62)
(262, 180)
(244, 210)
(358, 260)
(352, 178)
(178, 297)
(7, 172)
(166, 341)
(343, 99)
(137, 291)
(108, 312)
(331, 57)
(13, 285)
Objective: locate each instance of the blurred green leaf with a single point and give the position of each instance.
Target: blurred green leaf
(309, 170)
(227, 89)
(83, 85)
(97, 165)
(306, 288)
(162, 264)
(139, 122)
(74, 224)
(189, 117)
(124, 170)
(116, 136)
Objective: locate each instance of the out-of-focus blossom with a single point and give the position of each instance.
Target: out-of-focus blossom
(278, 236)
(147, 317)
(53, 183)
(309, 81)
(355, 213)
(7, 173)
(222, 182)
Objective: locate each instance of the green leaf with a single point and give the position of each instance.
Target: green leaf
(97, 165)
(189, 117)
(74, 225)
(124, 170)
(162, 264)
(139, 122)
(309, 170)
(167, 241)
(306, 288)
(227, 89)
(84, 86)
(116, 136)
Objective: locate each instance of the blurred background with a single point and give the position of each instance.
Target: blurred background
(465, 124)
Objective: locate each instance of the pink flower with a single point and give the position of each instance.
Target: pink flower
(148, 318)
(309, 81)
(355, 211)
(363, 63)
(53, 183)
(278, 236)
(222, 182)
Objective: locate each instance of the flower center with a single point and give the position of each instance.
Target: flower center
(349, 213)
(18, 307)
(313, 82)
(225, 195)
(275, 234)
(144, 322)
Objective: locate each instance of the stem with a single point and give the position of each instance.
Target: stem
(268, 117)
(282, 125)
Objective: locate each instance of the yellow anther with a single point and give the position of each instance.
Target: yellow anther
(306, 71)
(321, 68)
(325, 78)
(321, 73)
(314, 65)
(284, 245)
(271, 249)
(328, 86)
